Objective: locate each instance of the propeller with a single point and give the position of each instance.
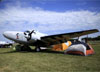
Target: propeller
(29, 34)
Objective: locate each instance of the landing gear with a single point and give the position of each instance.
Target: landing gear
(37, 49)
(17, 48)
(22, 48)
(25, 48)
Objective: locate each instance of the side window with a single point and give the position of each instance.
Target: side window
(87, 47)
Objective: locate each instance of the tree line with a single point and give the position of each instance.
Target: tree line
(91, 39)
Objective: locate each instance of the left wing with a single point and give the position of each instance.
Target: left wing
(61, 38)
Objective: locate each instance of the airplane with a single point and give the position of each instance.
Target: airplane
(37, 39)
(4, 44)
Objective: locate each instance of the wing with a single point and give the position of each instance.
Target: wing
(61, 38)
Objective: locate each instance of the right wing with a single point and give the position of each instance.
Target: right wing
(61, 38)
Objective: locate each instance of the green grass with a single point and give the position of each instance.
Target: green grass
(48, 61)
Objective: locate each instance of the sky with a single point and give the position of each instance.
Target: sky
(49, 16)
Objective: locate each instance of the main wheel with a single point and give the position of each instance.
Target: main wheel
(37, 49)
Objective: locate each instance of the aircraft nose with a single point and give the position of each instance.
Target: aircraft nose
(6, 34)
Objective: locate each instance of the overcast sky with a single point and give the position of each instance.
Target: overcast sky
(49, 16)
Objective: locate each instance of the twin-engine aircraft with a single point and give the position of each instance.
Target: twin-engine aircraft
(37, 39)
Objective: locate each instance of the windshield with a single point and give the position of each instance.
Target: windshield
(29, 32)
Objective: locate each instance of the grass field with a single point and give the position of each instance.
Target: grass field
(48, 61)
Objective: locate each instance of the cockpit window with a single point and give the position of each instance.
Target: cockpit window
(27, 31)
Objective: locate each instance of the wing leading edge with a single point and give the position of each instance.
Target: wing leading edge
(61, 38)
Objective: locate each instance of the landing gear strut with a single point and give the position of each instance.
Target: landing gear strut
(22, 48)
(17, 48)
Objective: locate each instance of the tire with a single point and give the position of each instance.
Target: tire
(37, 49)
